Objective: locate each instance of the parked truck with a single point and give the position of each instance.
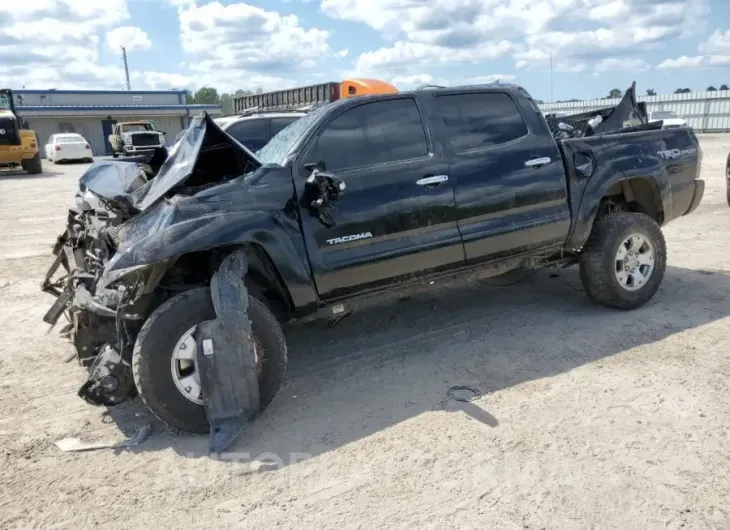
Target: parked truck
(354, 202)
(134, 138)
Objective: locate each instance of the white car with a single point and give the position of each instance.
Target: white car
(669, 118)
(68, 146)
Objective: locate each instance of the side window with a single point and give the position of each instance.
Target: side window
(278, 124)
(481, 120)
(254, 134)
(374, 133)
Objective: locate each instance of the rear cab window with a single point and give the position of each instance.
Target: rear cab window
(374, 133)
(277, 124)
(480, 120)
(254, 133)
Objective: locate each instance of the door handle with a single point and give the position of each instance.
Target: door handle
(430, 181)
(536, 162)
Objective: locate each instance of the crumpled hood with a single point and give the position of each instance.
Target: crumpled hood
(213, 217)
(124, 182)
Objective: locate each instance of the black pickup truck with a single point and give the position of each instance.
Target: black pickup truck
(350, 203)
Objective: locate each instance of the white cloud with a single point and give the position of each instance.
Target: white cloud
(131, 37)
(163, 80)
(437, 32)
(717, 43)
(409, 82)
(229, 46)
(683, 62)
(39, 51)
(612, 64)
(406, 56)
(342, 53)
(718, 60)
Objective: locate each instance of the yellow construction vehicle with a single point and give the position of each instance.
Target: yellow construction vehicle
(18, 145)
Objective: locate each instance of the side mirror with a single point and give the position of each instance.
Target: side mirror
(322, 188)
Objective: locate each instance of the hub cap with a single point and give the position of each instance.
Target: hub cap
(184, 367)
(634, 262)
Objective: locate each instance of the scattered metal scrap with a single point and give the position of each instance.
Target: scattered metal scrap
(75, 445)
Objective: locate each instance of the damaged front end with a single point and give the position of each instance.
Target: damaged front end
(118, 205)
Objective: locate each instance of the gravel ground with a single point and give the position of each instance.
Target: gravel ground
(589, 418)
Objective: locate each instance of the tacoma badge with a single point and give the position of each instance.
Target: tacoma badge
(346, 239)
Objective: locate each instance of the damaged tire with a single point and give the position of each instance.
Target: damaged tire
(156, 363)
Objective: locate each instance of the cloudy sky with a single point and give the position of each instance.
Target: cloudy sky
(596, 45)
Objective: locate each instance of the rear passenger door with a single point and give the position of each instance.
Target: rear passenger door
(253, 133)
(511, 194)
(398, 201)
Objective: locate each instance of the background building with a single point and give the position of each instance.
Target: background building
(93, 113)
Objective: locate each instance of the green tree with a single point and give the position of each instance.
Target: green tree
(189, 97)
(651, 92)
(682, 91)
(615, 93)
(207, 96)
(711, 89)
(724, 87)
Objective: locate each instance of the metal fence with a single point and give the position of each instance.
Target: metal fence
(704, 111)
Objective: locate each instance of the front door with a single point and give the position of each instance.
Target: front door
(107, 127)
(396, 216)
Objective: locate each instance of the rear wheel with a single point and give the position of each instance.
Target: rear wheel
(164, 358)
(624, 260)
(34, 165)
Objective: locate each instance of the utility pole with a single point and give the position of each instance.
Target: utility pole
(552, 99)
(126, 67)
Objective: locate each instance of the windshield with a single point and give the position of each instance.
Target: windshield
(280, 146)
(663, 114)
(137, 127)
(70, 139)
(4, 101)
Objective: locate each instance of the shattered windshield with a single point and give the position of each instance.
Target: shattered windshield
(279, 147)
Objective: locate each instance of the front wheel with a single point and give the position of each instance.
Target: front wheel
(624, 260)
(33, 166)
(164, 361)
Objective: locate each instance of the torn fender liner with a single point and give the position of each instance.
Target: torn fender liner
(226, 356)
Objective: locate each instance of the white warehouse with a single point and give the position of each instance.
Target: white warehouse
(93, 113)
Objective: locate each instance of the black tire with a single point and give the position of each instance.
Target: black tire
(115, 155)
(34, 166)
(597, 265)
(160, 333)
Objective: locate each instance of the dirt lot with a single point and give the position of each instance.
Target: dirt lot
(590, 418)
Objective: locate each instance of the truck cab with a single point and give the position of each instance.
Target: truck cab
(134, 138)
